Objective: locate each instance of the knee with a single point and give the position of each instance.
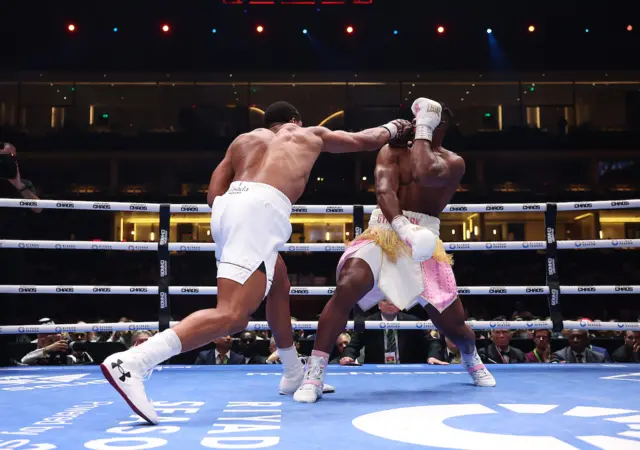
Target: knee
(235, 320)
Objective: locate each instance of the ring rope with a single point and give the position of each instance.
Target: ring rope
(315, 209)
(316, 248)
(305, 290)
(369, 325)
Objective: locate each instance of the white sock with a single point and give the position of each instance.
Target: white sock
(289, 358)
(470, 359)
(159, 348)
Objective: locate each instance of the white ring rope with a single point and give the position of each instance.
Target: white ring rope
(369, 325)
(315, 209)
(311, 209)
(315, 248)
(304, 290)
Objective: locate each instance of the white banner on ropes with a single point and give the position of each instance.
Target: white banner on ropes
(586, 290)
(605, 243)
(304, 290)
(369, 325)
(79, 205)
(313, 248)
(606, 204)
(313, 209)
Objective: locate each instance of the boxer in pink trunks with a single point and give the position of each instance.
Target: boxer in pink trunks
(400, 257)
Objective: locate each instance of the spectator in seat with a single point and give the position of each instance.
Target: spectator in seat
(578, 350)
(443, 356)
(140, 337)
(124, 337)
(221, 355)
(630, 351)
(341, 343)
(541, 353)
(499, 351)
(389, 346)
(249, 349)
(54, 350)
(592, 335)
(10, 171)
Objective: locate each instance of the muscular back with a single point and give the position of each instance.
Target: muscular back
(394, 171)
(281, 157)
(288, 160)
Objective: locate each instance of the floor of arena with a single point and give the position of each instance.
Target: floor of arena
(550, 407)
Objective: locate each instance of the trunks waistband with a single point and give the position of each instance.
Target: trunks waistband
(246, 187)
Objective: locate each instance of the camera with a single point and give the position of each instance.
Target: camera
(77, 346)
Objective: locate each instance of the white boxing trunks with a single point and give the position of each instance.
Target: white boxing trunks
(397, 277)
(249, 224)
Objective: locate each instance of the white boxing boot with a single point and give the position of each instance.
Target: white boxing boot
(125, 373)
(312, 385)
(476, 368)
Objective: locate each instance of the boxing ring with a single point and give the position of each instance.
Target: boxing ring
(553, 406)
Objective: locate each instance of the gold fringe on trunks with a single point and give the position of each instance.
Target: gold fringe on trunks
(393, 247)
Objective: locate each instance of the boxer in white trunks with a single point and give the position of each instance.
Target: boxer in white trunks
(265, 171)
(400, 256)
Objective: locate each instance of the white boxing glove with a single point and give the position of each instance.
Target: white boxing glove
(421, 240)
(428, 114)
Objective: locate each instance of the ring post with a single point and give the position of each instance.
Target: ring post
(164, 312)
(553, 280)
(358, 229)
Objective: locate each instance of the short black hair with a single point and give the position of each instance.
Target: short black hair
(280, 112)
(447, 114)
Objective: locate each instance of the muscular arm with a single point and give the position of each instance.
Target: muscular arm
(220, 179)
(435, 168)
(387, 176)
(344, 142)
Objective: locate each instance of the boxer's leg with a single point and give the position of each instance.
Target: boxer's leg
(236, 302)
(451, 323)
(279, 319)
(278, 307)
(354, 281)
(125, 371)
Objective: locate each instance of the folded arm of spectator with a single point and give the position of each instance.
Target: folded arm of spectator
(32, 358)
(435, 354)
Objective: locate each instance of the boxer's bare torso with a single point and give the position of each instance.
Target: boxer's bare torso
(283, 156)
(394, 173)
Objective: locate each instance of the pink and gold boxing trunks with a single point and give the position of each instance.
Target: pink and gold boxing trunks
(397, 277)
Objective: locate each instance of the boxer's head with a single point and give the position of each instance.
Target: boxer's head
(280, 113)
(441, 130)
